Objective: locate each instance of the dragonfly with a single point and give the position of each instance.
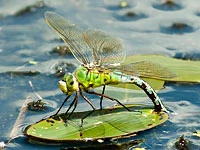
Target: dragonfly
(101, 58)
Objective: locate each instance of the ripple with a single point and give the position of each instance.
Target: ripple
(188, 56)
(130, 16)
(171, 48)
(176, 28)
(198, 14)
(168, 5)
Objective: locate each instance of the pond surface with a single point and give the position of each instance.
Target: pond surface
(147, 27)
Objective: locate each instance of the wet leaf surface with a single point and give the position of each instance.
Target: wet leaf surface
(102, 124)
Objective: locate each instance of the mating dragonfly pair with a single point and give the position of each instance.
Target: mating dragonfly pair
(101, 57)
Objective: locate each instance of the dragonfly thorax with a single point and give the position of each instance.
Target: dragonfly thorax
(92, 78)
(68, 84)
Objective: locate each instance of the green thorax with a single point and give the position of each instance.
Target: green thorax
(92, 78)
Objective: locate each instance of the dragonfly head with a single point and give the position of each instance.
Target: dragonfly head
(68, 84)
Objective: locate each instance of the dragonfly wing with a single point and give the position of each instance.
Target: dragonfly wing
(105, 49)
(71, 34)
(153, 70)
(145, 69)
(90, 46)
(128, 69)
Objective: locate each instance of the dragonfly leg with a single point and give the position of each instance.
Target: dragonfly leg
(101, 99)
(113, 99)
(74, 102)
(62, 105)
(90, 103)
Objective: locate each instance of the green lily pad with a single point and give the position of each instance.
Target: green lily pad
(101, 125)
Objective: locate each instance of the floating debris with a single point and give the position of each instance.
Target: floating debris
(31, 8)
(196, 133)
(31, 72)
(177, 28)
(32, 62)
(182, 143)
(62, 67)
(123, 4)
(36, 105)
(130, 16)
(168, 5)
(62, 50)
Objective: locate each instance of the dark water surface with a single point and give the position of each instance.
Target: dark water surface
(145, 27)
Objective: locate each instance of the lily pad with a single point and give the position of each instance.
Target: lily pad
(101, 125)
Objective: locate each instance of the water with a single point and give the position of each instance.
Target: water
(146, 27)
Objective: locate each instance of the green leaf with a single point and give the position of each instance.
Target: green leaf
(100, 125)
(186, 70)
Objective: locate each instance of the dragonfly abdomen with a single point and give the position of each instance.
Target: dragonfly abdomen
(149, 91)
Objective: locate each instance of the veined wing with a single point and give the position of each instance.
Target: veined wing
(153, 70)
(71, 34)
(146, 69)
(128, 69)
(90, 46)
(106, 50)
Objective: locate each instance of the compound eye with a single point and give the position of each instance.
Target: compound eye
(71, 83)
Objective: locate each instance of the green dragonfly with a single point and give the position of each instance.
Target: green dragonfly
(101, 57)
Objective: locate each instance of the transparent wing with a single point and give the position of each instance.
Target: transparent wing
(90, 46)
(128, 69)
(150, 69)
(71, 34)
(146, 69)
(106, 50)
